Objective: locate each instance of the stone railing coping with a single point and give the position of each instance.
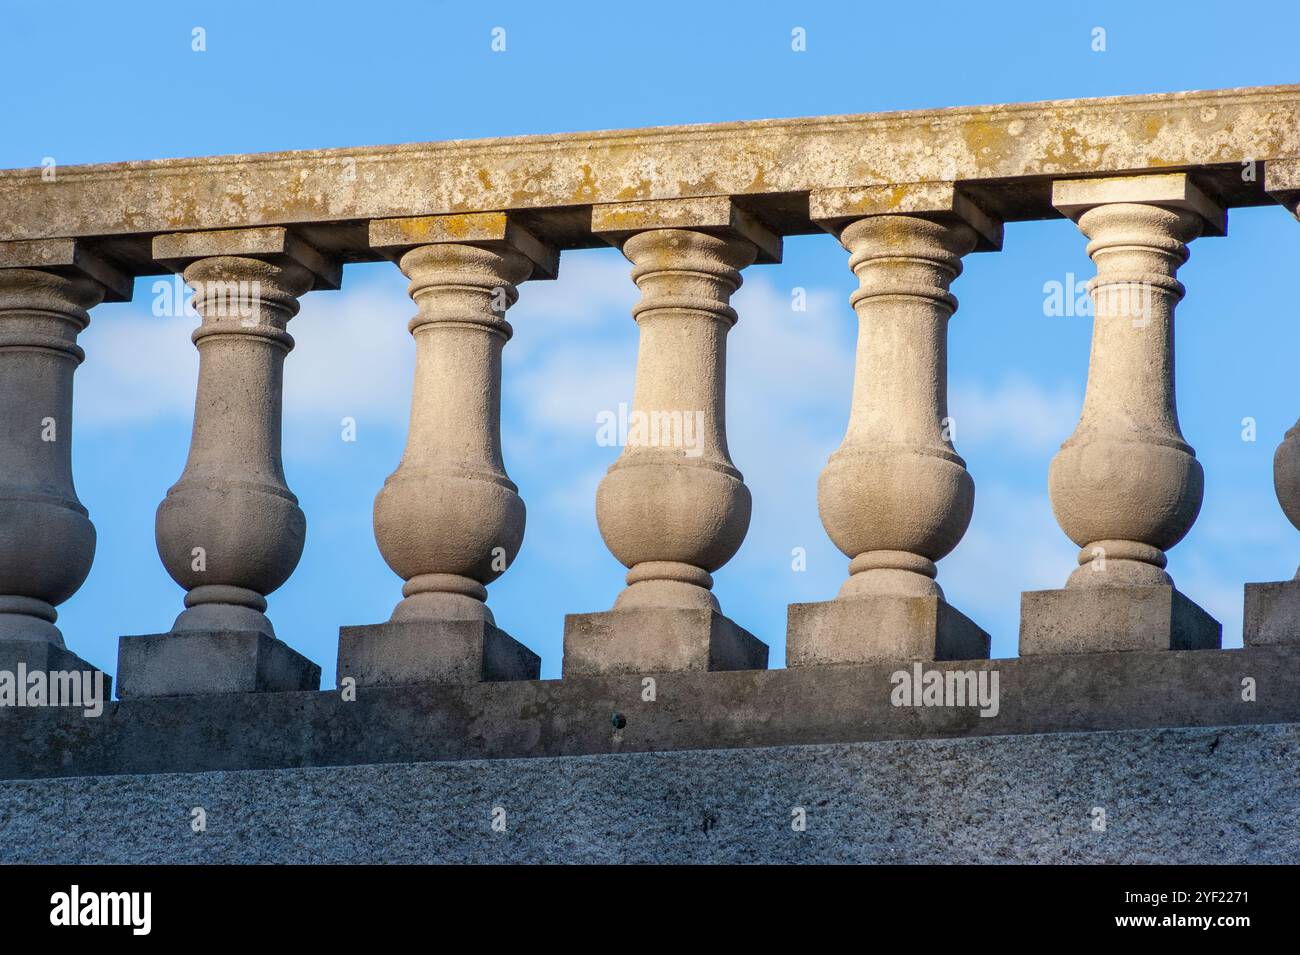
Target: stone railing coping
(1005, 158)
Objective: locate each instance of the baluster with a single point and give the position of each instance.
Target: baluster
(1126, 487)
(449, 520)
(896, 497)
(47, 542)
(230, 531)
(673, 508)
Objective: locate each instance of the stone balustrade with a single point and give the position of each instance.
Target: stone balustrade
(907, 196)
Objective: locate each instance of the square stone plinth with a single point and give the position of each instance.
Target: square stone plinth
(658, 640)
(881, 629)
(443, 651)
(186, 663)
(1103, 619)
(45, 657)
(1272, 614)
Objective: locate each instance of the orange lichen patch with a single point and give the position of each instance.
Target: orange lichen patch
(1074, 150)
(587, 189)
(460, 225)
(419, 229)
(986, 140)
(642, 190)
(185, 211)
(298, 201)
(895, 197)
(454, 227)
(485, 179)
(533, 187)
(1150, 127)
(618, 220)
(699, 187)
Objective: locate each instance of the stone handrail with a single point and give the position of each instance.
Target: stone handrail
(907, 195)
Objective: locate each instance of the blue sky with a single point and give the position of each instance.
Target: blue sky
(91, 82)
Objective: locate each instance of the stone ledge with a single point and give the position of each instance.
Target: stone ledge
(1010, 152)
(607, 714)
(1208, 795)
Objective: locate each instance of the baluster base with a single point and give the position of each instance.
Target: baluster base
(41, 656)
(1272, 614)
(210, 661)
(658, 640)
(433, 651)
(1102, 619)
(880, 629)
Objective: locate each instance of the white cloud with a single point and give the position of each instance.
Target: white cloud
(1013, 545)
(1016, 414)
(594, 286)
(138, 368)
(353, 356)
(566, 384)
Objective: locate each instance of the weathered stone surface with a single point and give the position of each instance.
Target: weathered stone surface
(229, 530)
(1272, 614)
(646, 640)
(46, 657)
(834, 209)
(1103, 619)
(437, 651)
(908, 195)
(193, 662)
(449, 520)
(47, 542)
(765, 161)
(1126, 486)
(1208, 795)
(70, 258)
(895, 496)
(881, 629)
(673, 507)
(610, 713)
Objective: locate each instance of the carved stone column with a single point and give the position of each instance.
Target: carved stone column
(895, 497)
(47, 542)
(449, 520)
(230, 531)
(673, 508)
(1126, 487)
(1272, 611)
